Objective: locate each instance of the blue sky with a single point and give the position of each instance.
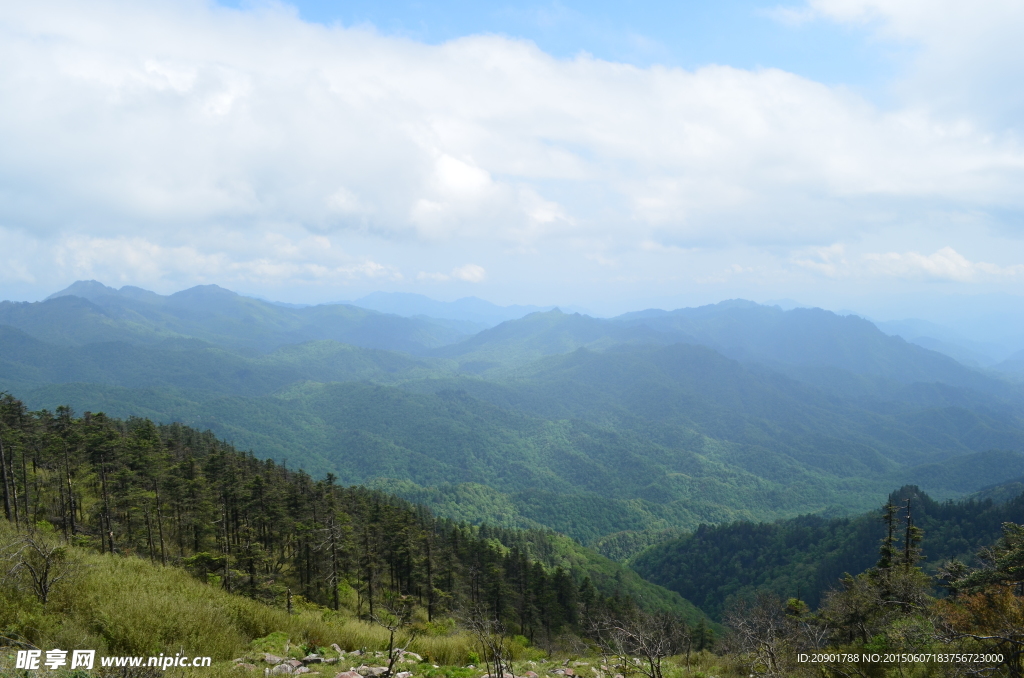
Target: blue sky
(853, 154)
(688, 33)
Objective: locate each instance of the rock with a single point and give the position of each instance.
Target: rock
(331, 660)
(312, 659)
(403, 674)
(247, 667)
(570, 672)
(348, 674)
(294, 663)
(530, 674)
(281, 669)
(303, 669)
(337, 648)
(413, 655)
(272, 658)
(371, 670)
(560, 672)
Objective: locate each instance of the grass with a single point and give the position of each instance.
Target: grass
(129, 606)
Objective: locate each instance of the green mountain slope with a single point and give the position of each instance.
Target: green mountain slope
(810, 337)
(587, 426)
(808, 344)
(89, 312)
(182, 497)
(690, 437)
(195, 364)
(806, 556)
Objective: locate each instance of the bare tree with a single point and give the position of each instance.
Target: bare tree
(493, 638)
(42, 561)
(394, 613)
(640, 640)
(763, 634)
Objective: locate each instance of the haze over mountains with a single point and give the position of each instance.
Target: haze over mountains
(648, 421)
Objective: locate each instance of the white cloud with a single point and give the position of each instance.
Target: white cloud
(469, 273)
(830, 261)
(173, 140)
(945, 264)
(967, 58)
(267, 260)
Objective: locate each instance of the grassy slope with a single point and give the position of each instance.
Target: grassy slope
(128, 606)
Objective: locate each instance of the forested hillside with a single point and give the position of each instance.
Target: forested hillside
(174, 495)
(89, 312)
(805, 557)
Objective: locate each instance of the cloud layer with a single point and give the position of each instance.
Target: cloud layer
(180, 142)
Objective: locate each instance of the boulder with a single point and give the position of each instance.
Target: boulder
(303, 669)
(530, 674)
(413, 655)
(281, 669)
(403, 674)
(347, 674)
(295, 663)
(272, 658)
(337, 648)
(312, 659)
(570, 672)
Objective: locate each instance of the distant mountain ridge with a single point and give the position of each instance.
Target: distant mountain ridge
(470, 309)
(89, 312)
(806, 344)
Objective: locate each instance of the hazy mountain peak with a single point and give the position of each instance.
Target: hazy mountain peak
(471, 309)
(204, 292)
(87, 289)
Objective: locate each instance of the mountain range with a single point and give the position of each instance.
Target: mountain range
(650, 421)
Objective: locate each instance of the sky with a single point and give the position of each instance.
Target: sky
(852, 154)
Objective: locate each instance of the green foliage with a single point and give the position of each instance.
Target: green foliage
(174, 495)
(589, 427)
(622, 546)
(805, 556)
